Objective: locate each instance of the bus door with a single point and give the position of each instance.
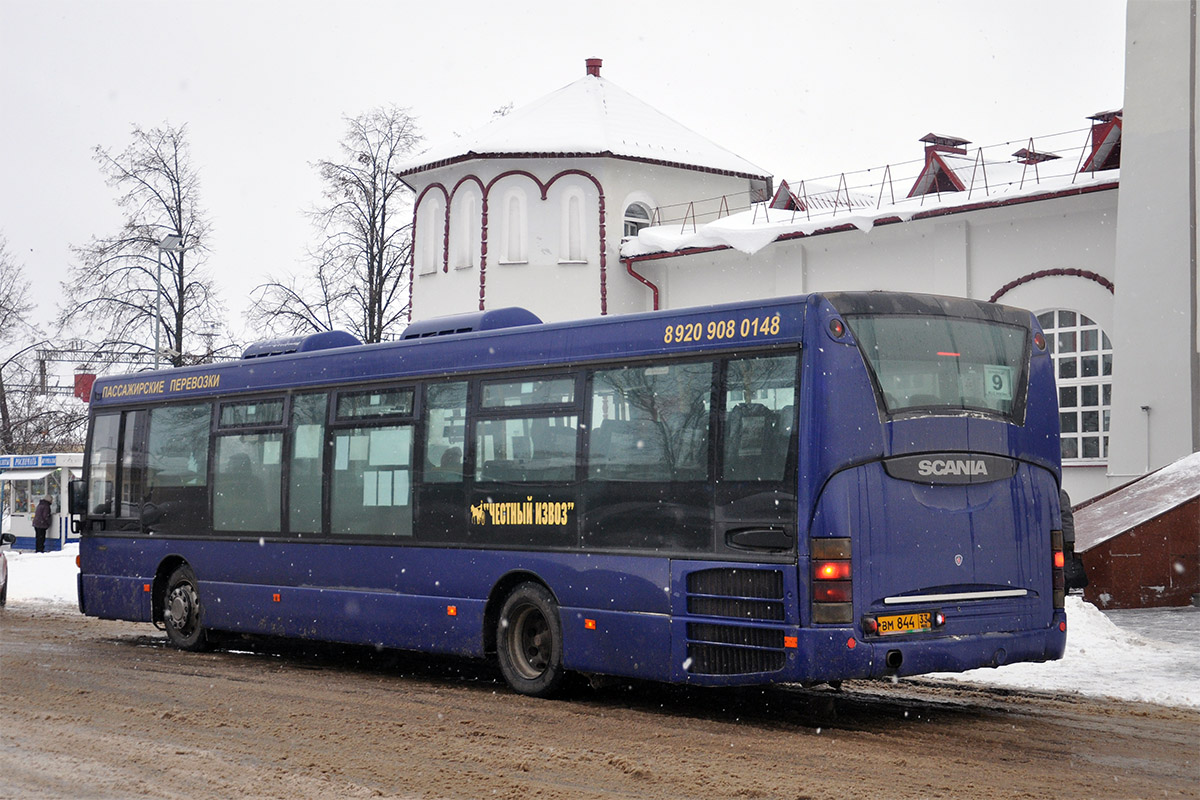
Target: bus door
(116, 471)
(756, 493)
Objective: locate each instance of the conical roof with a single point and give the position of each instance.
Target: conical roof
(590, 117)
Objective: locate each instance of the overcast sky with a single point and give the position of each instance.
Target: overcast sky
(803, 89)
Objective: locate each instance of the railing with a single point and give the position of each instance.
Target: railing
(984, 172)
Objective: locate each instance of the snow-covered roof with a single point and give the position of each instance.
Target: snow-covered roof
(1137, 502)
(589, 117)
(879, 195)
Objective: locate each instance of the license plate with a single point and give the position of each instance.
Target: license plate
(921, 622)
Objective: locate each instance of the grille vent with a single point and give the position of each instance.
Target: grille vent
(746, 595)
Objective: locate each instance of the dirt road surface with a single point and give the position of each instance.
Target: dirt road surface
(98, 709)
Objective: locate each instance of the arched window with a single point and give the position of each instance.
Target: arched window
(637, 216)
(571, 248)
(464, 229)
(431, 226)
(513, 245)
(1083, 369)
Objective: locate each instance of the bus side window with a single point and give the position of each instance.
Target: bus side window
(102, 470)
(306, 465)
(446, 432)
(372, 481)
(246, 482)
(650, 424)
(760, 403)
(177, 469)
(133, 464)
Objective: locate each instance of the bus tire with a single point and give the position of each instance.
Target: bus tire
(182, 611)
(529, 641)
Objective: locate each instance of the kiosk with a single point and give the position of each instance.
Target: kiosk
(24, 480)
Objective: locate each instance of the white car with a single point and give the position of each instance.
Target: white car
(6, 538)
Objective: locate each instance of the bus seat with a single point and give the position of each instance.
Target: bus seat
(629, 450)
(551, 442)
(749, 435)
(786, 421)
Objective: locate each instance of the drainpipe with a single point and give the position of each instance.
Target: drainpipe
(642, 279)
(1146, 410)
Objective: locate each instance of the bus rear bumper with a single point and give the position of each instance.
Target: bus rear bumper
(916, 656)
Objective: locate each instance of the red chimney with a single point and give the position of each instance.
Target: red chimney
(83, 385)
(593, 66)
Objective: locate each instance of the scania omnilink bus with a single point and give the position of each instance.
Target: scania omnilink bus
(801, 489)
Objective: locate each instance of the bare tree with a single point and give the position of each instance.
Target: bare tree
(31, 419)
(126, 290)
(359, 276)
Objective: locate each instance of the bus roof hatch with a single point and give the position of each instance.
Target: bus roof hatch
(467, 323)
(325, 340)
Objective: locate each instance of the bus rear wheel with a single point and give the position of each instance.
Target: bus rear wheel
(529, 641)
(181, 611)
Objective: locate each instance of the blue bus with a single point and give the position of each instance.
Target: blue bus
(803, 489)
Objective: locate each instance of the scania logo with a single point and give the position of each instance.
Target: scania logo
(956, 467)
(952, 468)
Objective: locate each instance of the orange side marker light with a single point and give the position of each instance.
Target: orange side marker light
(791, 642)
(145, 587)
(275, 597)
(589, 624)
(451, 611)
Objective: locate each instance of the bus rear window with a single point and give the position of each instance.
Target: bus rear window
(929, 362)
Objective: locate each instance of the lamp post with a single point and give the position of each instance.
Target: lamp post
(171, 243)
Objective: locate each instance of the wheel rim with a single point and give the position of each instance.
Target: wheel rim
(530, 641)
(181, 609)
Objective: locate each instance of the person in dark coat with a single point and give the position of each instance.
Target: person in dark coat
(41, 521)
(1075, 574)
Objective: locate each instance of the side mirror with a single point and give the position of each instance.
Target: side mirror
(77, 497)
(8, 538)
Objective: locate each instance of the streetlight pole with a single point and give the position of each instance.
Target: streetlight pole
(172, 243)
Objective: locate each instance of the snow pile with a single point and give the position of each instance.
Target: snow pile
(1160, 663)
(43, 577)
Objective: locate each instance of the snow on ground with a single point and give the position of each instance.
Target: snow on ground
(1150, 655)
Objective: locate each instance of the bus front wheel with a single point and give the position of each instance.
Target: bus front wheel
(529, 641)
(181, 611)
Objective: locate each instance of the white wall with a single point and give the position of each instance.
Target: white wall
(1156, 391)
(542, 281)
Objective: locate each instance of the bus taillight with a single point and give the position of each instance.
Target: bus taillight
(832, 587)
(1057, 564)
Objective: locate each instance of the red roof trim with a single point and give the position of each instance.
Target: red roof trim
(1069, 272)
(445, 162)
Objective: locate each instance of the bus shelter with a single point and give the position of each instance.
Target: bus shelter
(24, 480)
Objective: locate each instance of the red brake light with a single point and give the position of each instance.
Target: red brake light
(1060, 560)
(831, 571)
(1039, 340)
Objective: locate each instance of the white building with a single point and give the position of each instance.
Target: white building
(1105, 256)
(530, 210)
